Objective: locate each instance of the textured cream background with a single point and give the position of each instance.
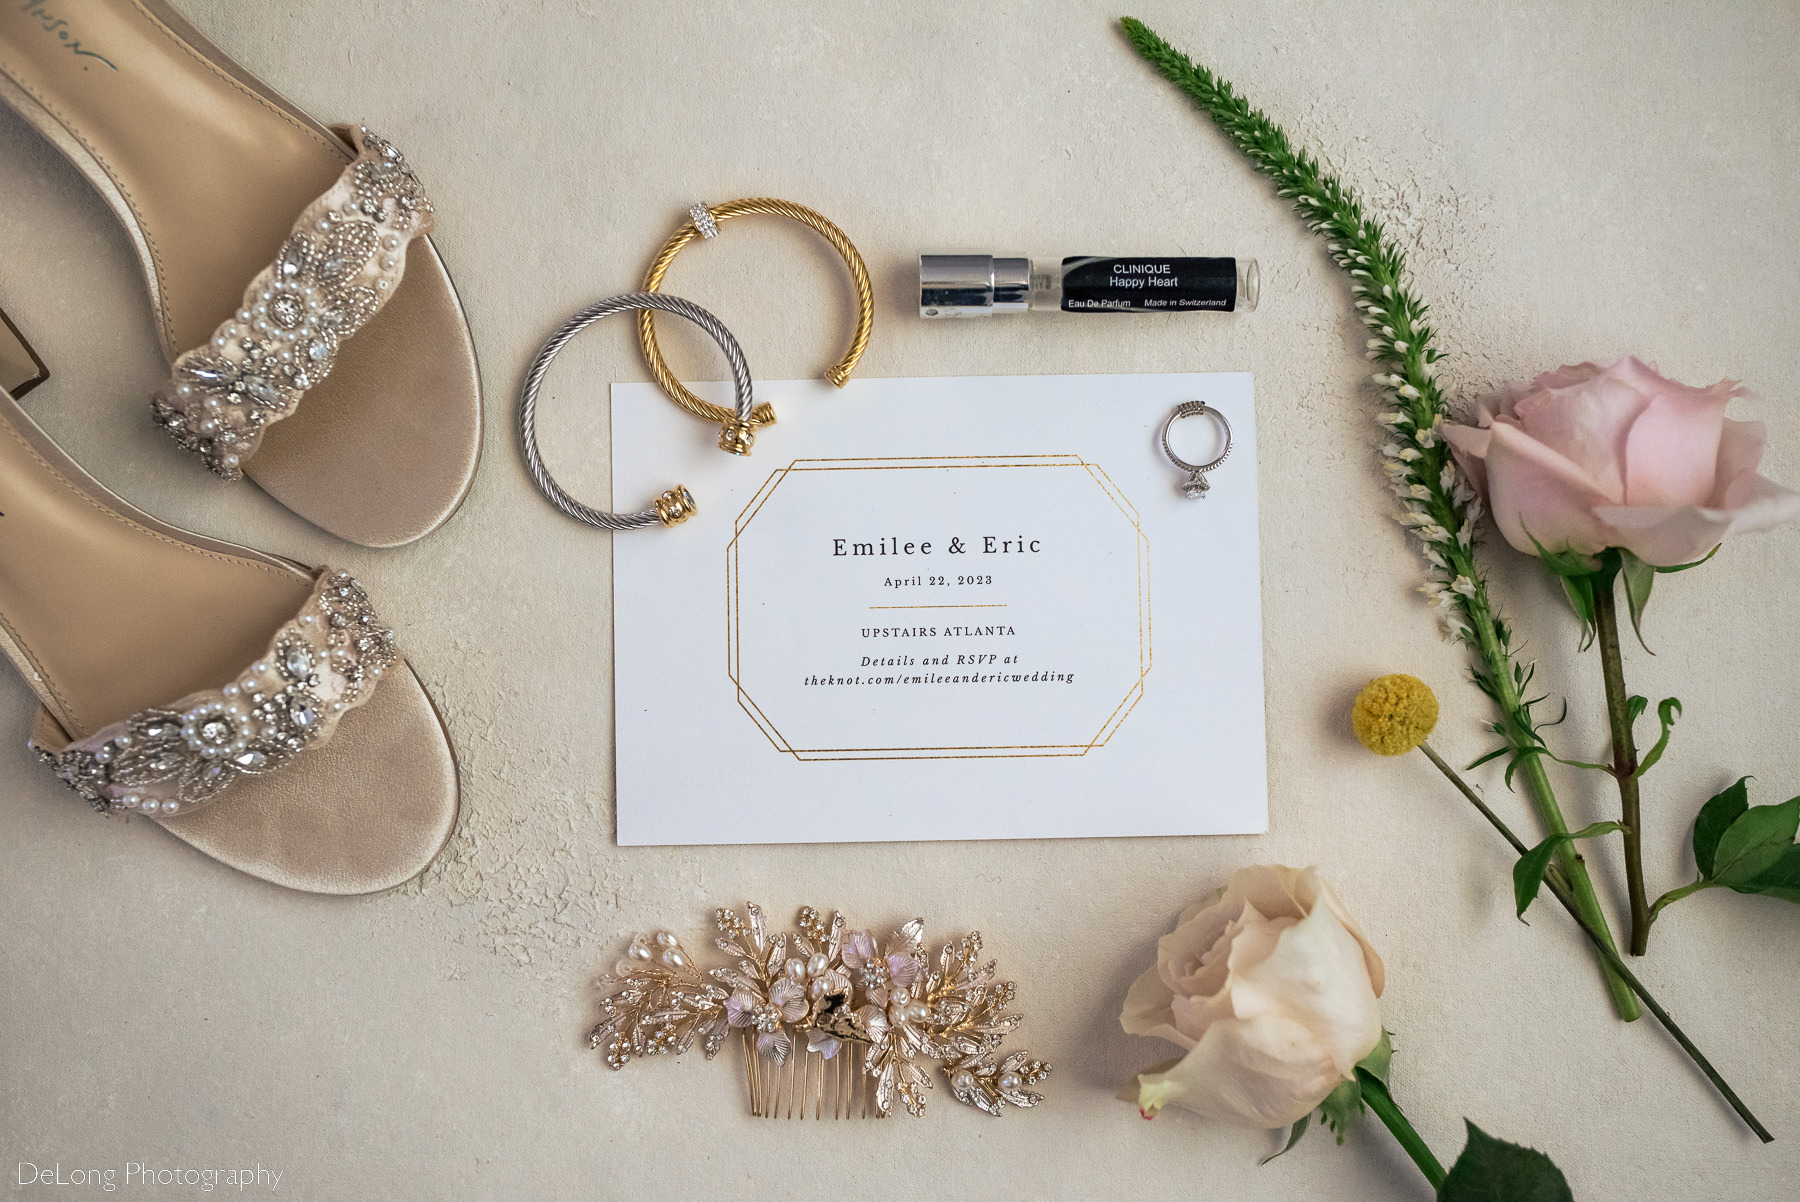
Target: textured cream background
(1572, 182)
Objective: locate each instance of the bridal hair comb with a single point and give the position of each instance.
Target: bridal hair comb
(830, 1021)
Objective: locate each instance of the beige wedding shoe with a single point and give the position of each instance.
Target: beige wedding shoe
(253, 708)
(274, 250)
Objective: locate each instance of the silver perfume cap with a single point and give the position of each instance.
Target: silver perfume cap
(973, 285)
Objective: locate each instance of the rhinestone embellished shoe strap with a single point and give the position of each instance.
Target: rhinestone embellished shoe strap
(176, 758)
(338, 267)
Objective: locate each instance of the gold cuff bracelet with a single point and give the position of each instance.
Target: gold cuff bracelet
(737, 435)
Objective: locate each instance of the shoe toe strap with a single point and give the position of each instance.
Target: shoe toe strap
(171, 759)
(338, 267)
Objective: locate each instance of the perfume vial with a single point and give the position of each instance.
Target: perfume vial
(957, 285)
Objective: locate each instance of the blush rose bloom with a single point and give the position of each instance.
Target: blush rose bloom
(1591, 457)
(1271, 989)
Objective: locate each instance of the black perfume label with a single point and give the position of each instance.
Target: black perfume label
(1092, 285)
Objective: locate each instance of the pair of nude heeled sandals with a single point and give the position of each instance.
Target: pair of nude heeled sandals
(317, 346)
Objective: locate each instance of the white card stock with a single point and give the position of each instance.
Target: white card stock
(974, 608)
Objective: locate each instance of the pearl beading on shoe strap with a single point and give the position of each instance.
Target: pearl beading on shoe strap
(172, 759)
(343, 260)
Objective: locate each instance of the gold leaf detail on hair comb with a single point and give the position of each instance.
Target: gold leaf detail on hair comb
(829, 1019)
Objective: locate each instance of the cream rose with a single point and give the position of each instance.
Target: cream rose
(1272, 991)
(1591, 457)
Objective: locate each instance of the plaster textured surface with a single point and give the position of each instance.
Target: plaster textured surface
(1572, 182)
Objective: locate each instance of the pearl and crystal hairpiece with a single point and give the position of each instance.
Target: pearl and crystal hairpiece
(830, 1020)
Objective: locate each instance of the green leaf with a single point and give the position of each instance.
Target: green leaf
(1720, 811)
(1528, 873)
(1376, 1062)
(1606, 768)
(1638, 577)
(1675, 895)
(1580, 592)
(1495, 754)
(1342, 1107)
(1492, 1170)
(1580, 575)
(1567, 564)
(1635, 707)
(1667, 710)
(1558, 721)
(1782, 880)
(1682, 567)
(1293, 1138)
(1755, 843)
(1524, 753)
(1512, 766)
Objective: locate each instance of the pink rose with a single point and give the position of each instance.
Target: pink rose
(1270, 990)
(1591, 457)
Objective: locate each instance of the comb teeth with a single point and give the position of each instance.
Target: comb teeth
(809, 1085)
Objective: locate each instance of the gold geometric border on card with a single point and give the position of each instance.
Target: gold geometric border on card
(733, 638)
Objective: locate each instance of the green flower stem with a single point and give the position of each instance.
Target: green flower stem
(1559, 888)
(1378, 1099)
(1517, 730)
(1625, 756)
(1494, 819)
(1440, 508)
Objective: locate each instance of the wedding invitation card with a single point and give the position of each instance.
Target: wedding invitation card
(973, 608)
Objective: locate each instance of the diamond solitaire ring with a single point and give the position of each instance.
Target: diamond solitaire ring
(1195, 485)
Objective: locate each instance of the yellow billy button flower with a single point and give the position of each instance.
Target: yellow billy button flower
(1394, 714)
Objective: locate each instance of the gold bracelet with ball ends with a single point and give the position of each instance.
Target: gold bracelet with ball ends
(737, 436)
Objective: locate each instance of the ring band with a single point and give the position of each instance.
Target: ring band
(1195, 485)
(677, 504)
(737, 434)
